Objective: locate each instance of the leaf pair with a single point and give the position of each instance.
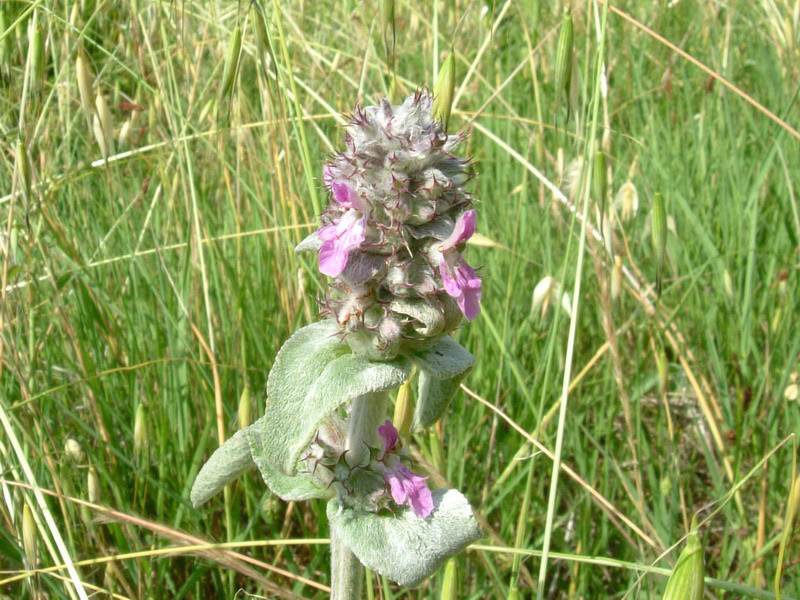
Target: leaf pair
(313, 375)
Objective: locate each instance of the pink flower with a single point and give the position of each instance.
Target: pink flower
(463, 230)
(461, 282)
(338, 240)
(389, 435)
(406, 487)
(459, 279)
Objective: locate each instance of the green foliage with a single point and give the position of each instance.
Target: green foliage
(403, 547)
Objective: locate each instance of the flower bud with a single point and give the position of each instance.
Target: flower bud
(687, 580)
(445, 90)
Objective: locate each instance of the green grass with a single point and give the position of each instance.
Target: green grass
(167, 278)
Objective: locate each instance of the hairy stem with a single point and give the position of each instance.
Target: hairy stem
(368, 411)
(347, 572)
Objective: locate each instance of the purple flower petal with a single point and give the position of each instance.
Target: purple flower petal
(461, 282)
(389, 435)
(408, 488)
(343, 194)
(337, 242)
(463, 230)
(347, 197)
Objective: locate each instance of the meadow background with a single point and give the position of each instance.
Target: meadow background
(163, 281)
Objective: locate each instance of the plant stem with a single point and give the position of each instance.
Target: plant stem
(347, 572)
(367, 412)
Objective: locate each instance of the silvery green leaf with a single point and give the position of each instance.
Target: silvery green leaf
(403, 547)
(301, 486)
(428, 321)
(300, 362)
(311, 244)
(226, 464)
(309, 380)
(441, 370)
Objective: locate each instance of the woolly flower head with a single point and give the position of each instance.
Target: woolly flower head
(393, 231)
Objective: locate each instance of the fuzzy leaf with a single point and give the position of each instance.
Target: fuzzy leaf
(312, 243)
(300, 362)
(301, 486)
(403, 547)
(226, 464)
(310, 379)
(441, 370)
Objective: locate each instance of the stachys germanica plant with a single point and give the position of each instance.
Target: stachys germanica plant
(391, 239)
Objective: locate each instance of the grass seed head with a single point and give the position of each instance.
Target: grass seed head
(73, 451)
(388, 24)
(404, 409)
(564, 57)
(23, 170)
(105, 119)
(727, 284)
(542, 293)
(263, 45)
(687, 579)
(244, 413)
(445, 90)
(616, 278)
(93, 486)
(36, 55)
(140, 430)
(572, 177)
(599, 182)
(6, 44)
(30, 539)
(125, 133)
(627, 201)
(450, 580)
(85, 84)
(662, 366)
(97, 129)
(231, 64)
(658, 233)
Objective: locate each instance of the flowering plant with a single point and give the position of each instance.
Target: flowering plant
(391, 239)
